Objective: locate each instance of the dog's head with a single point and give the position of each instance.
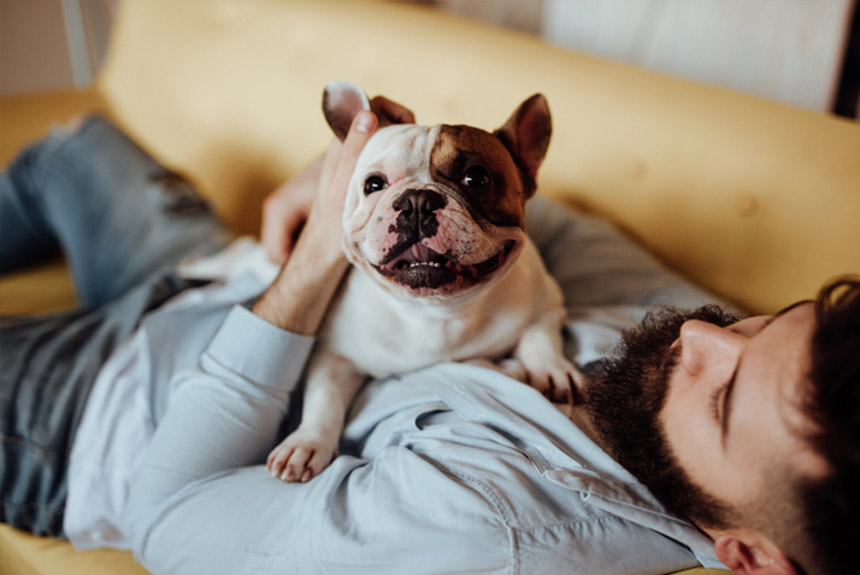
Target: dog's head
(435, 212)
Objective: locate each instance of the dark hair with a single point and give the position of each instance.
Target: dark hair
(830, 506)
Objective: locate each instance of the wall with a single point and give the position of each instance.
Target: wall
(52, 44)
(33, 47)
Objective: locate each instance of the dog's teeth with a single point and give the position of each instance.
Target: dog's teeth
(431, 264)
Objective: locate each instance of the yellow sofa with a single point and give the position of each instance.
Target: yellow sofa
(752, 199)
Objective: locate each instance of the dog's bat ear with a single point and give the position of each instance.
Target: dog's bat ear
(389, 112)
(526, 134)
(341, 102)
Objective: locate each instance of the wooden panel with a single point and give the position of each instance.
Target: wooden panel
(522, 15)
(789, 50)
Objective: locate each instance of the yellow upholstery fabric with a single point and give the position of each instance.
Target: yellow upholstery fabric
(752, 199)
(755, 200)
(25, 554)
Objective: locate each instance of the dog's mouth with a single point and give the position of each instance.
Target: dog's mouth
(421, 267)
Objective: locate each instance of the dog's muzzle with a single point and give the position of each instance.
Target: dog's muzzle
(421, 267)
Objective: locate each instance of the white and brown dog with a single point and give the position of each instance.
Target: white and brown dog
(442, 268)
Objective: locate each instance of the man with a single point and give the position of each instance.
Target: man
(742, 427)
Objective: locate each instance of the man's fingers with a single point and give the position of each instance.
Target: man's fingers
(363, 126)
(284, 214)
(274, 232)
(329, 164)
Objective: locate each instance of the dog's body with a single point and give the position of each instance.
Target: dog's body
(382, 335)
(442, 268)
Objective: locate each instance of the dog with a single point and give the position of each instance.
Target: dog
(442, 269)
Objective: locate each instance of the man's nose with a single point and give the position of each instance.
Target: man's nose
(706, 347)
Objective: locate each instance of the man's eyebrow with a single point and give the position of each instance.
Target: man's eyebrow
(790, 307)
(730, 387)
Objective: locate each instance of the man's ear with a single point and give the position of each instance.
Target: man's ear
(748, 552)
(527, 132)
(341, 102)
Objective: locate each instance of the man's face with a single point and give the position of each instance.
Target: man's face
(733, 414)
(707, 407)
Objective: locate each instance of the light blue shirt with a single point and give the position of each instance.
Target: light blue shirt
(451, 469)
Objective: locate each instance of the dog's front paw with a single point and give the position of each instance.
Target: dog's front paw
(508, 366)
(558, 379)
(301, 456)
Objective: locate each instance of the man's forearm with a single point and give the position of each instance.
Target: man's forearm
(299, 297)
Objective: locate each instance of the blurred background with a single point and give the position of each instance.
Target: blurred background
(802, 52)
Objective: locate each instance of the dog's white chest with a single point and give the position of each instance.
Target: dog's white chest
(382, 335)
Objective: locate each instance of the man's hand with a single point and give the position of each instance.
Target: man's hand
(298, 298)
(286, 210)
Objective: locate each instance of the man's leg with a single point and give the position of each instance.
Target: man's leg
(49, 366)
(119, 216)
(25, 237)
(123, 222)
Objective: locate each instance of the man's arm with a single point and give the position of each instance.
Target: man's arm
(227, 411)
(298, 298)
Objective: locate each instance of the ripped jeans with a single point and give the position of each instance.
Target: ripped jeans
(123, 222)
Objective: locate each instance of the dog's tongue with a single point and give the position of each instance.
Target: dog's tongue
(421, 253)
(416, 253)
(418, 257)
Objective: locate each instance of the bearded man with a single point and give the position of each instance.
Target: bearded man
(144, 419)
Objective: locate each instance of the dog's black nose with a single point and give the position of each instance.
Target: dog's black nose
(421, 202)
(417, 218)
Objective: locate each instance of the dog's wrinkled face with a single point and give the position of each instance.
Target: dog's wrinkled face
(434, 211)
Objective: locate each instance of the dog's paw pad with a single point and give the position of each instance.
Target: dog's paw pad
(559, 381)
(300, 457)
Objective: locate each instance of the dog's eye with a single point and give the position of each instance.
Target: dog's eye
(374, 184)
(477, 177)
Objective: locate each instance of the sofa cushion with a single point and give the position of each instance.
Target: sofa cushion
(753, 199)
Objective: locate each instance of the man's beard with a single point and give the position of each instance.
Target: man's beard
(624, 396)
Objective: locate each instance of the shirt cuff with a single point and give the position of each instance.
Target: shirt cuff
(259, 351)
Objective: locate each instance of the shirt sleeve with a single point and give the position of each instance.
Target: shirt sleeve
(203, 503)
(225, 415)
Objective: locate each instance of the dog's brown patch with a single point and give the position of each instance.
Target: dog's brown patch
(459, 149)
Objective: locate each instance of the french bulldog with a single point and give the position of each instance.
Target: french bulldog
(442, 269)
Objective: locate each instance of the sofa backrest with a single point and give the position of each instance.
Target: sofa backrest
(752, 199)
